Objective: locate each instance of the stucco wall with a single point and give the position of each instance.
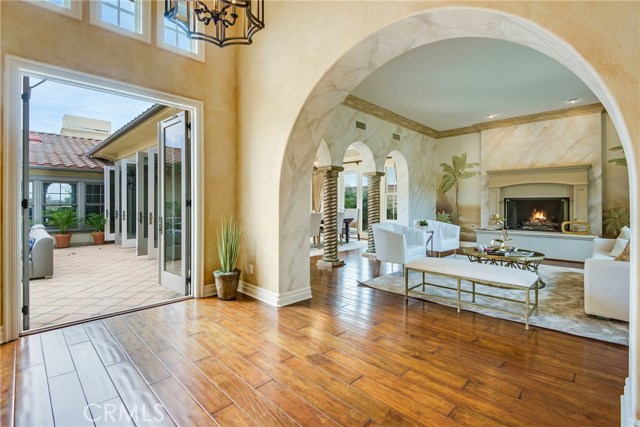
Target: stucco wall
(279, 72)
(35, 33)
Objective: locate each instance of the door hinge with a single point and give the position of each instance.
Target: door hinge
(24, 203)
(189, 125)
(26, 96)
(25, 310)
(188, 201)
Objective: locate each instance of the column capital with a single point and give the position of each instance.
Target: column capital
(331, 168)
(374, 174)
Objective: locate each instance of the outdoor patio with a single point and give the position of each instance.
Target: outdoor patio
(94, 280)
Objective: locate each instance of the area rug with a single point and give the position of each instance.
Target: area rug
(353, 244)
(561, 302)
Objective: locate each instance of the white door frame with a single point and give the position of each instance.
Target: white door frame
(15, 68)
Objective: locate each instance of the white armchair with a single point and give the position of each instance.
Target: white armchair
(398, 244)
(446, 237)
(606, 283)
(314, 226)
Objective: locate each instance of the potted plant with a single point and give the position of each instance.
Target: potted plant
(62, 219)
(422, 224)
(96, 221)
(228, 277)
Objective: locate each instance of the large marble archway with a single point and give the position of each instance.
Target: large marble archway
(382, 46)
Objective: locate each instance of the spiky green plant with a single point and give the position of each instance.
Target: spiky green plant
(96, 220)
(622, 161)
(62, 219)
(453, 174)
(443, 217)
(615, 219)
(228, 244)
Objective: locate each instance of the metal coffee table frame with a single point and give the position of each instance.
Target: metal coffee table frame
(529, 263)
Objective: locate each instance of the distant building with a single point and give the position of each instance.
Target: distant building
(62, 175)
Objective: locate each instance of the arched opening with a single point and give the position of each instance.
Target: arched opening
(400, 194)
(421, 29)
(352, 188)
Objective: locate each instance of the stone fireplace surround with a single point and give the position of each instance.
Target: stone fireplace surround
(557, 181)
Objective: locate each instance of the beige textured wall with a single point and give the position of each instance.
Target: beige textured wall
(32, 32)
(302, 41)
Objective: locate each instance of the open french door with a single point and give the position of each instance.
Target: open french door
(174, 213)
(152, 179)
(116, 195)
(128, 200)
(110, 212)
(142, 202)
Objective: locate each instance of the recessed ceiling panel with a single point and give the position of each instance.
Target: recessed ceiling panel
(460, 82)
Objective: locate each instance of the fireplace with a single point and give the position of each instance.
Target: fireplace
(536, 214)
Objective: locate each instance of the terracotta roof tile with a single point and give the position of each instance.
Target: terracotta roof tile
(65, 152)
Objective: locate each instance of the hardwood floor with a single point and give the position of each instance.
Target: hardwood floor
(351, 356)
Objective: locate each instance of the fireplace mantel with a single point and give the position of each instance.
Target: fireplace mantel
(567, 175)
(575, 176)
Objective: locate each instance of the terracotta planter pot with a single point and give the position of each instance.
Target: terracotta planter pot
(62, 240)
(227, 284)
(98, 237)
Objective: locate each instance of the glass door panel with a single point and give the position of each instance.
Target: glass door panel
(142, 184)
(118, 203)
(110, 203)
(173, 220)
(152, 203)
(128, 203)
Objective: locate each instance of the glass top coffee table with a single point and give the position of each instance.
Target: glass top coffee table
(523, 259)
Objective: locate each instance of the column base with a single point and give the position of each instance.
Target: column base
(330, 264)
(369, 254)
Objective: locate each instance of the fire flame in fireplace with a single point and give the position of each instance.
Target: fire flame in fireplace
(538, 216)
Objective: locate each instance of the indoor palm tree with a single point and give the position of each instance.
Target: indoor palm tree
(453, 174)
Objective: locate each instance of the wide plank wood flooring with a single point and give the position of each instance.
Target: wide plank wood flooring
(351, 356)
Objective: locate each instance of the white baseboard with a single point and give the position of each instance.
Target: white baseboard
(210, 290)
(627, 418)
(272, 298)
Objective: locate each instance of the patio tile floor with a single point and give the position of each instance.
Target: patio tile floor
(95, 280)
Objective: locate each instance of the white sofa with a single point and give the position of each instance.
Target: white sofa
(41, 253)
(398, 244)
(446, 237)
(606, 283)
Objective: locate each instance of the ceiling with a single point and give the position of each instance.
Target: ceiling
(460, 82)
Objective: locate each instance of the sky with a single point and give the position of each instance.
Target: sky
(51, 100)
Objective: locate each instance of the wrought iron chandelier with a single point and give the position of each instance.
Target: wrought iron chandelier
(223, 23)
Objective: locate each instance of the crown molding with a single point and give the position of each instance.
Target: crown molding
(531, 118)
(366, 107)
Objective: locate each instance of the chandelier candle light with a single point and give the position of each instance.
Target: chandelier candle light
(221, 22)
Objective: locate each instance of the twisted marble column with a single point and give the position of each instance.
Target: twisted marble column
(330, 258)
(373, 191)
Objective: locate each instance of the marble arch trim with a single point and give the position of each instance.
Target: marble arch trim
(428, 26)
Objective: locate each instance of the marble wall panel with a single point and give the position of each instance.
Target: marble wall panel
(568, 141)
(417, 150)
